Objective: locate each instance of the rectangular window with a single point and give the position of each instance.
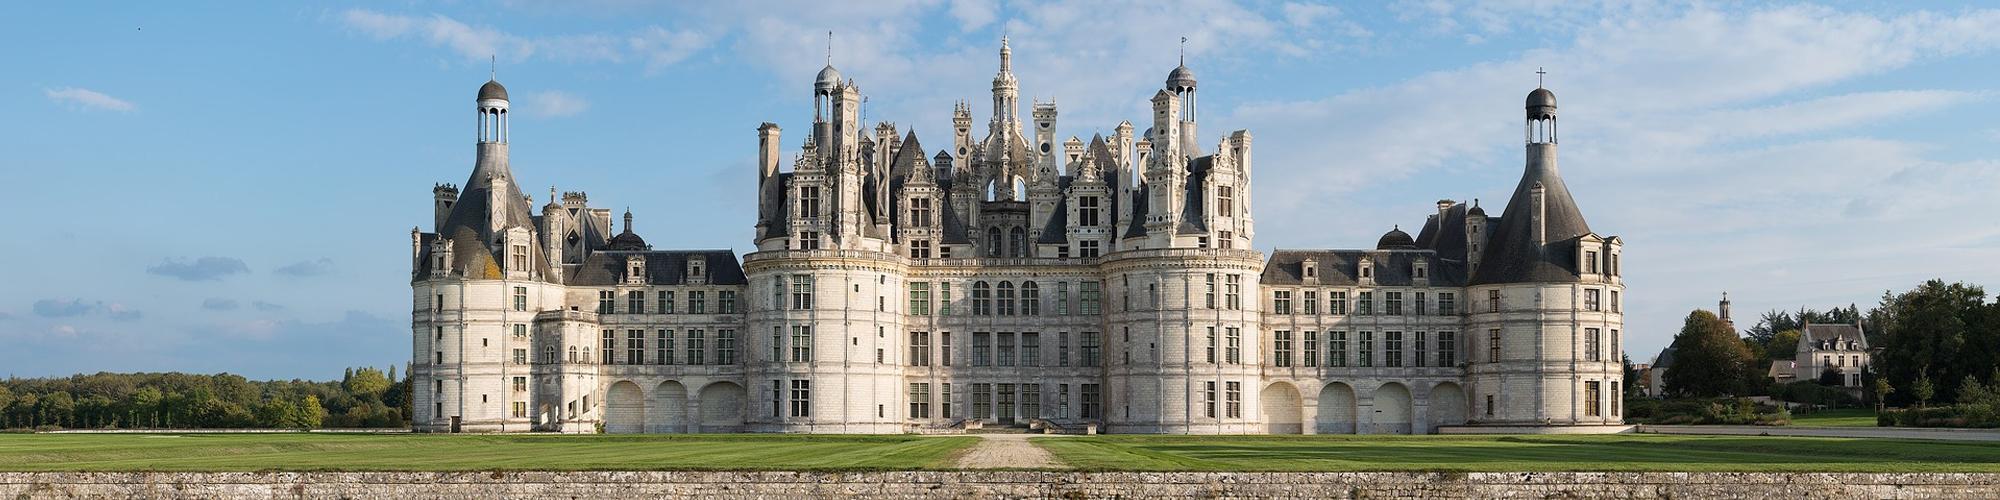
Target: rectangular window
(1208, 399)
(1031, 299)
(1233, 398)
(920, 298)
(666, 302)
(1590, 299)
(1591, 351)
(944, 348)
(920, 348)
(520, 356)
(1618, 393)
(521, 331)
(1310, 347)
(1311, 302)
(1493, 301)
(1447, 349)
(1088, 297)
(1336, 349)
(1006, 356)
(635, 302)
(1031, 400)
(519, 262)
(1005, 402)
(520, 298)
(1364, 350)
(1417, 307)
(1281, 301)
(1592, 399)
(1224, 198)
(635, 347)
(725, 347)
(605, 300)
(725, 302)
(1092, 405)
(802, 341)
(1031, 349)
(1336, 303)
(808, 203)
(1392, 349)
(1364, 303)
(1062, 348)
(1447, 303)
(982, 349)
(1281, 348)
(520, 384)
(1090, 349)
(607, 348)
(697, 302)
(1208, 293)
(802, 292)
(801, 398)
(920, 212)
(920, 400)
(1087, 249)
(982, 401)
(1392, 303)
(920, 249)
(1590, 262)
(777, 397)
(1086, 211)
(1615, 353)
(1614, 301)
(697, 345)
(1493, 345)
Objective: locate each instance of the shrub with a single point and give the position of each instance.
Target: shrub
(1715, 411)
(1975, 415)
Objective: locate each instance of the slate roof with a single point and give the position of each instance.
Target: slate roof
(476, 252)
(1511, 255)
(1343, 267)
(663, 267)
(1813, 333)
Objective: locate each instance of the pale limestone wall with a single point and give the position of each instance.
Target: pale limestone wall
(1163, 389)
(967, 484)
(474, 379)
(855, 373)
(1542, 372)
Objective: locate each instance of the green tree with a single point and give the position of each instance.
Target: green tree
(1831, 377)
(1937, 331)
(1709, 359)
(1882, 390)
(57, 409)
(1784, 345)
(366, 383)
(1924, 391)
(310, 414)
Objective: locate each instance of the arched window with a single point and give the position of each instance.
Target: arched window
(1031, 299)
(549, 354)
(1006, 298)
(572, 355)
(993, 242)
(1019, 238)
(982, 299)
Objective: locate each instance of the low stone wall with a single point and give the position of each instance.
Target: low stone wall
(1001, 484)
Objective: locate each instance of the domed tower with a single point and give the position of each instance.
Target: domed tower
(482, 279)
(1182, 344)
(821, 339)
(1544, 321)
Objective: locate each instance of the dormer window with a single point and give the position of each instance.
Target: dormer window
(1309, 268)
(635, 269)
(1590, 262)
(517, 259)
(696, 270)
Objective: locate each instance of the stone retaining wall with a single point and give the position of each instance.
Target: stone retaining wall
(1002, 484)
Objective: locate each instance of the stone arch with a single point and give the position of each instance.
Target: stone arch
(1282, 408)
(1447, 405)
(1392, 409)
(670, 402)
(1336, 409)
(625, 409)
(722, 407)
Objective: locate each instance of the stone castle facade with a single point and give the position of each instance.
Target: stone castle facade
(1012, 277)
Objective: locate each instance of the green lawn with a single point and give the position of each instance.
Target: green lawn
(1520, 453)
(437, 452)
(1845, 417)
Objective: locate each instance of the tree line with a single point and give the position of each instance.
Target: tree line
(363, 397)
(1937, 342)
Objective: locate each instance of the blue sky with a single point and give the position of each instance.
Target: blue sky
(230, 186)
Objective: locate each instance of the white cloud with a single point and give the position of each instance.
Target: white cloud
(554, 103)
(974, 14)
(88, 99)
(661, 47)
(480, 42)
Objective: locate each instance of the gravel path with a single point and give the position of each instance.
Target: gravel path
(1007, 451)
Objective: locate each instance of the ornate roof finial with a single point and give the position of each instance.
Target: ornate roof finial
(829, 47)
(628, 219)
(1538, 76)
(1183, 50)
(493, 67)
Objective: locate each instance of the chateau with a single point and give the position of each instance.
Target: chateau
(1013, 276)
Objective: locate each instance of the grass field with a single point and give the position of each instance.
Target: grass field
(406, 452)
(1520, 453)
(1845, 417)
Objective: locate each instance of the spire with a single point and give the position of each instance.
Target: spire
(829, 47)
(628, 219)
(1539, 73)
(1006, 56)
(1183, 50)
(492, 67)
